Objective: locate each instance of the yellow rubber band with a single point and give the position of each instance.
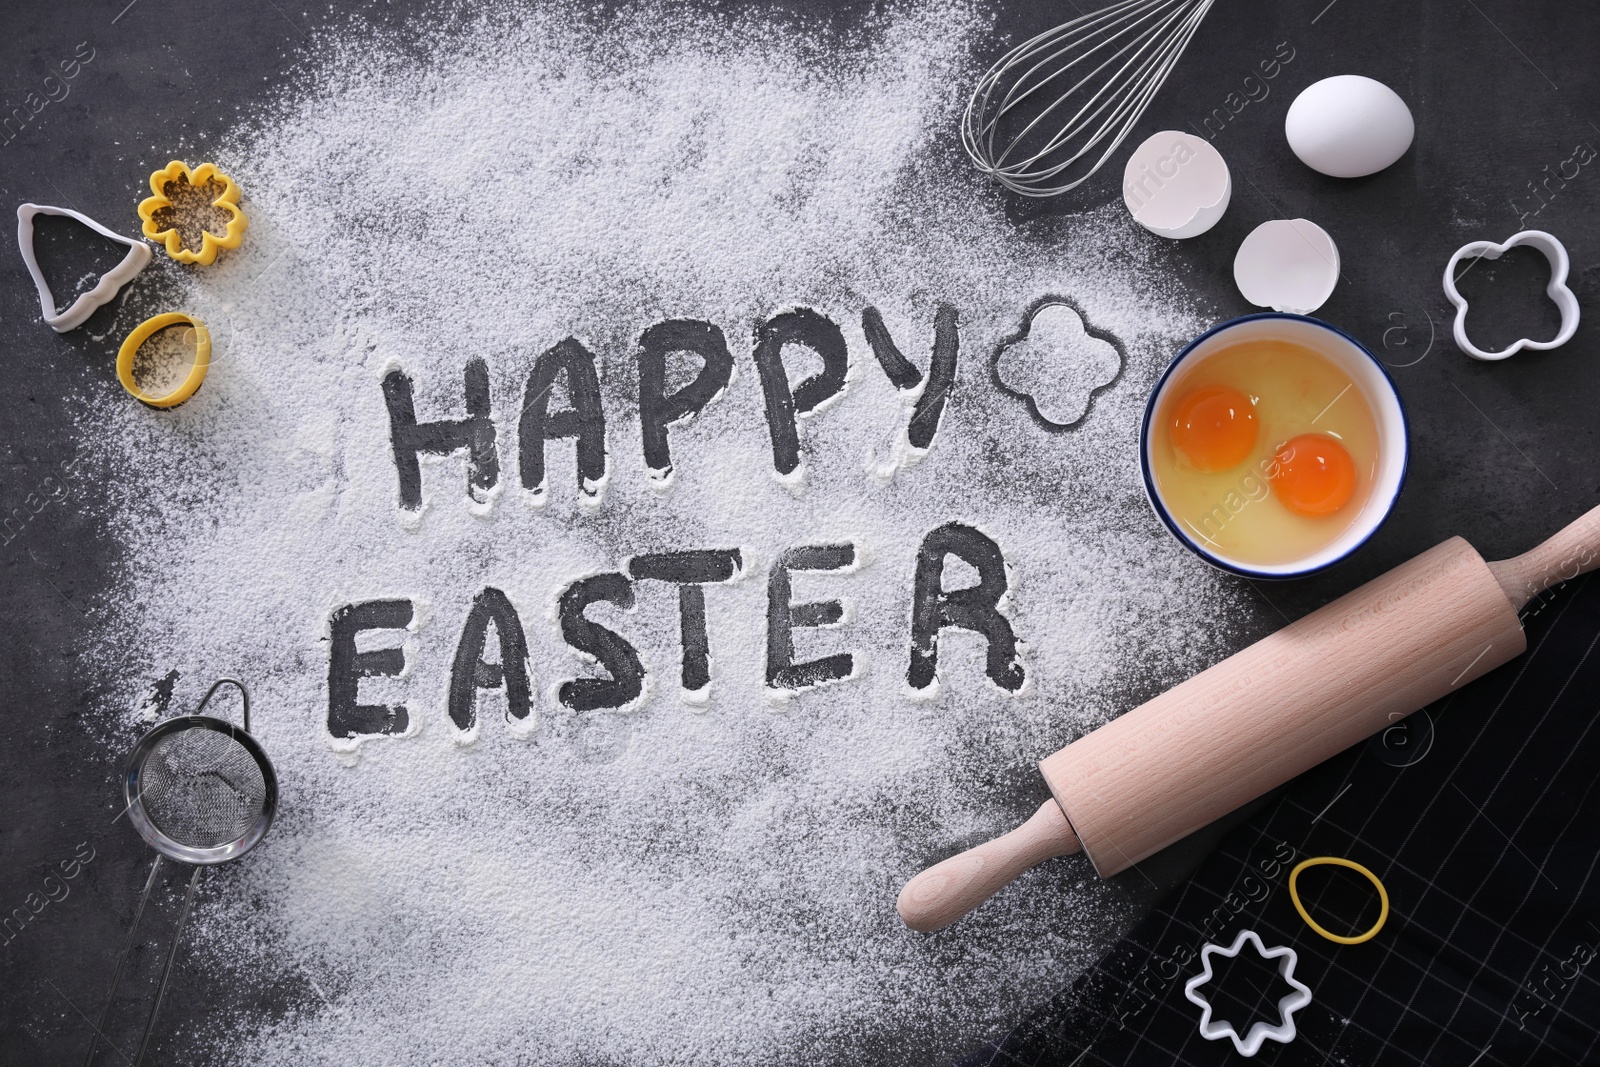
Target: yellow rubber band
(142, 333)
(1317, 861)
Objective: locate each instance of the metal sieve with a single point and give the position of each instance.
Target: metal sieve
(200, 790)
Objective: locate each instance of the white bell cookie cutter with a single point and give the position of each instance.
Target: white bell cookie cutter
(109, 285)
(1557, 290)
(1250, 1044)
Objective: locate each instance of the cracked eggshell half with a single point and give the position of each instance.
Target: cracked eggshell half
(1176, 185)
(1348, 126)
(1287, 265)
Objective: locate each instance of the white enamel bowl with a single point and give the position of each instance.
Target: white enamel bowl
(1368, 375)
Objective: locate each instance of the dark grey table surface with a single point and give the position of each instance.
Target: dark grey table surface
(1506, 97)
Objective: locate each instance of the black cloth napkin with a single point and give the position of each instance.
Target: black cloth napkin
(1480, 815)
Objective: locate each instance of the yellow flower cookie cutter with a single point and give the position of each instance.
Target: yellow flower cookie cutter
(210, 242)
(142, 333)
(1338, 861)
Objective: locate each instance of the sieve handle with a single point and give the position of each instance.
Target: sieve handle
(166, 968)
(122, 958)
(218, 684)
(172, 954)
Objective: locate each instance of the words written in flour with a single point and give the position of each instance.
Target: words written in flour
(576, 412)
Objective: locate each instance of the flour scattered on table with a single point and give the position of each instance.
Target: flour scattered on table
(469, 380)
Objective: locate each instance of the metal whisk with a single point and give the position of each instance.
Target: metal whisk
(199, 790)
(1116, 60)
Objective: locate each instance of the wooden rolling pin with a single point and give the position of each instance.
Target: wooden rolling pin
(1265, 714)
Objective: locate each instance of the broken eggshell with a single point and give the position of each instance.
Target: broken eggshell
(1176, 185)
(1287, 265)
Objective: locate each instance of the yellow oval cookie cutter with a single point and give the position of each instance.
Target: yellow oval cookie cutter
(177, 170)
(142, 333)
(1336, 861)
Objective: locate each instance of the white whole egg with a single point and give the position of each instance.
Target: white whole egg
(1348, 126)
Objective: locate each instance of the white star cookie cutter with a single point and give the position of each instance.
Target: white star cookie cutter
(1250, 1044)
(1557, 290)
(109, 285)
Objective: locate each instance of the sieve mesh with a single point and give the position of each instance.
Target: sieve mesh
(202, 788)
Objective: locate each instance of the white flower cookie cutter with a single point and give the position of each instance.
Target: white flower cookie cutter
(1557, 290)
(106, 289)
(1292, 1002)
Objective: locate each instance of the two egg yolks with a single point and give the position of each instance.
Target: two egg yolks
(1215, 427)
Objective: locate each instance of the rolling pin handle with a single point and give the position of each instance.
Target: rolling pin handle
(948, 890)
(1574, 550)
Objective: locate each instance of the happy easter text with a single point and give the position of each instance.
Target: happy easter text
(581, 418)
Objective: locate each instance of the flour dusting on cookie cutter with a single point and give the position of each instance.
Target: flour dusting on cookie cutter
(195, 373)
(180, 194)
(1292, 1002)
(1557, 290)
(104, 291)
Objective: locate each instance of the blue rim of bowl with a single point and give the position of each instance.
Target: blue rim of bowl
(1161, 509)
